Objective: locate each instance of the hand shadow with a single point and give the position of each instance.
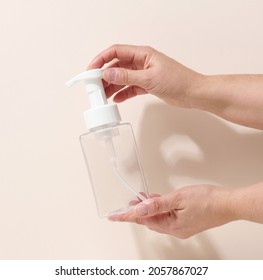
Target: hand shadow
(225, 157)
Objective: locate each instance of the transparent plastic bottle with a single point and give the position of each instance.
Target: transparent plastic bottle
(114, 168)
(110, 152)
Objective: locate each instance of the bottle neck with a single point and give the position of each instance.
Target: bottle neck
(104, 115)
(100, 127)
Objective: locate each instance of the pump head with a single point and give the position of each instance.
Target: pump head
(100, 112)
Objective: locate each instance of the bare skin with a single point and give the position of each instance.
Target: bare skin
(134, 70)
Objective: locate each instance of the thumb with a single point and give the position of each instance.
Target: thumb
(158, 205)
(122, 76)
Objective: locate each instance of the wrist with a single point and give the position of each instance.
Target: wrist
(223, 205)
(247, 203)
(206, 94)
(198, 91)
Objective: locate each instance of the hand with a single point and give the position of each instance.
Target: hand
(145, 70)
(184, 212)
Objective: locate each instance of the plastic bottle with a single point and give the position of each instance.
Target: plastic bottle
(110, 151)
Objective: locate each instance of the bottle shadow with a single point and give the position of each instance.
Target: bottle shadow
(224, 157)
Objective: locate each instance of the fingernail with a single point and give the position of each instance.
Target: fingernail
(142, 210)
(109, 75)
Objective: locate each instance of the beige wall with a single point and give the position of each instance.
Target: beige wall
(47, 209)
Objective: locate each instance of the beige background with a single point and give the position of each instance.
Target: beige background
(47, 209)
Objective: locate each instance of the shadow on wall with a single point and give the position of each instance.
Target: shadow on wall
(225, 157)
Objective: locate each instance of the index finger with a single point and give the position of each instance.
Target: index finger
(126, 53)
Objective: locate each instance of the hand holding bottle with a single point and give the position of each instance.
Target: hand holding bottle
(184, 212)
(193, 209)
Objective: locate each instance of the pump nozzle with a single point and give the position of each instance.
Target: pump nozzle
(95, 74)
(93, 85)
(100, 112)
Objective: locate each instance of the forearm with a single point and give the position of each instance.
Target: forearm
(247, 203)
(237, 98)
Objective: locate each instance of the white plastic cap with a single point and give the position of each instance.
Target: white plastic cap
(100, 112)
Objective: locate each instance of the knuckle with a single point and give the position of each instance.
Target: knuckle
(115, 46)
(156, 206)
(182, 235)
(138, 221)
(149, 49)
(123, 76)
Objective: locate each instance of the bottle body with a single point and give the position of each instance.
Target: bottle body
(114, 168)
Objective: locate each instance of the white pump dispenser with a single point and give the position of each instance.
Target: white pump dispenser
(109, 150)
(100, 112)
